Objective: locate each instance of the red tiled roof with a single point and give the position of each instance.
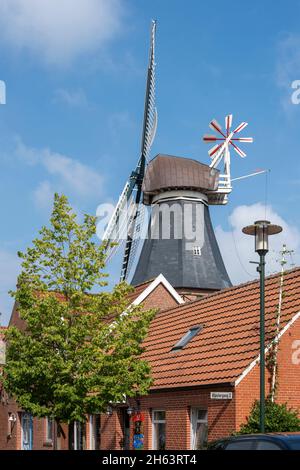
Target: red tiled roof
(138, 289)
(229, 340)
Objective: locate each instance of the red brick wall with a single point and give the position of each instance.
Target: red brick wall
(13, 442)
(15, 319)
(289, 372)
(177, 406)
(9, 442)
(111, 431)
(160, 298)
(246, 392)
(288, 378)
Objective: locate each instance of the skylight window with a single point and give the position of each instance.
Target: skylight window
(187, 338)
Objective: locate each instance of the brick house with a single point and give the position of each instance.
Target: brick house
(18, 430)
(204, 356)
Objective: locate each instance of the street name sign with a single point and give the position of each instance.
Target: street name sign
(221, 395)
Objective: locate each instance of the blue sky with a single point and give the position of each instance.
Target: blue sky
(75, 89)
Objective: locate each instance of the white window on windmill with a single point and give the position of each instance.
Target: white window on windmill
(196, 250)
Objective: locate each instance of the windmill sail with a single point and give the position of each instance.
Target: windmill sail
(127, 217)
(148, 135)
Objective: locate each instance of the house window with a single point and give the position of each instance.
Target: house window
(26, 431)
(159, 430)
(49, 429)
(94, 432)
(77, 436)
(187, 337)
(198, 428)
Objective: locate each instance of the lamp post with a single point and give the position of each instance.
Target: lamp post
(261, 231)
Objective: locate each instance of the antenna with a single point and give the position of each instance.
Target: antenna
(283, 261)
(284, 252)
(255, 173)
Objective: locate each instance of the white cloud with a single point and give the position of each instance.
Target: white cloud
(288, 65)
(74, 99)
(10, 266)
(238, 249)
(43, 195)
(77, 177)
(58, 31)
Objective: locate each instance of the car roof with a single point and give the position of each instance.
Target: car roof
(273, 435)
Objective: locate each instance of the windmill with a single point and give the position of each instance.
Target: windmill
(193, 267)
(178, 192)
(221, 150)
(126, 220)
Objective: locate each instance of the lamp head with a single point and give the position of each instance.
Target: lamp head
(12, 418)
(261, 230)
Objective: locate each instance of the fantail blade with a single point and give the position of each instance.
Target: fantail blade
(228, 122)
(240, 127)
(238, 150)
(244, 139)
(209, 138)
(214, 149)
(216, 126)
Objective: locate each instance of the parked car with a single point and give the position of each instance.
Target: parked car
(274, 441)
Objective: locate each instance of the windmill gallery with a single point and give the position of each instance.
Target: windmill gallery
(203, 344)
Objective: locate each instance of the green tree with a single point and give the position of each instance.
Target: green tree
(81, 346)
(278, 418)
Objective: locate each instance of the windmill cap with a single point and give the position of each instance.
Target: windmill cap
(272, 229)
(167, 172)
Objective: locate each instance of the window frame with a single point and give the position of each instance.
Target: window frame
(26, 430)
(193, 430)
(47, 438)
(91, 432)
(196, 251)
(157, 421)
(92, 421)
(82, 426)
(187, 337)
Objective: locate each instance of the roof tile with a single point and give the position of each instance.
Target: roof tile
(229, 341)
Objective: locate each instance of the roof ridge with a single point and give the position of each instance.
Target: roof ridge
(143, 283)
(232, 288)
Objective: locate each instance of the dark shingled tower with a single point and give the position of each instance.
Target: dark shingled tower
(181, 243)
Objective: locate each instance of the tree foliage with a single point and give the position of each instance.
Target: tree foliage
(278, 418)
(81, 346)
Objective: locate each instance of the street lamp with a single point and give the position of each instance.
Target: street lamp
(261, 230)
